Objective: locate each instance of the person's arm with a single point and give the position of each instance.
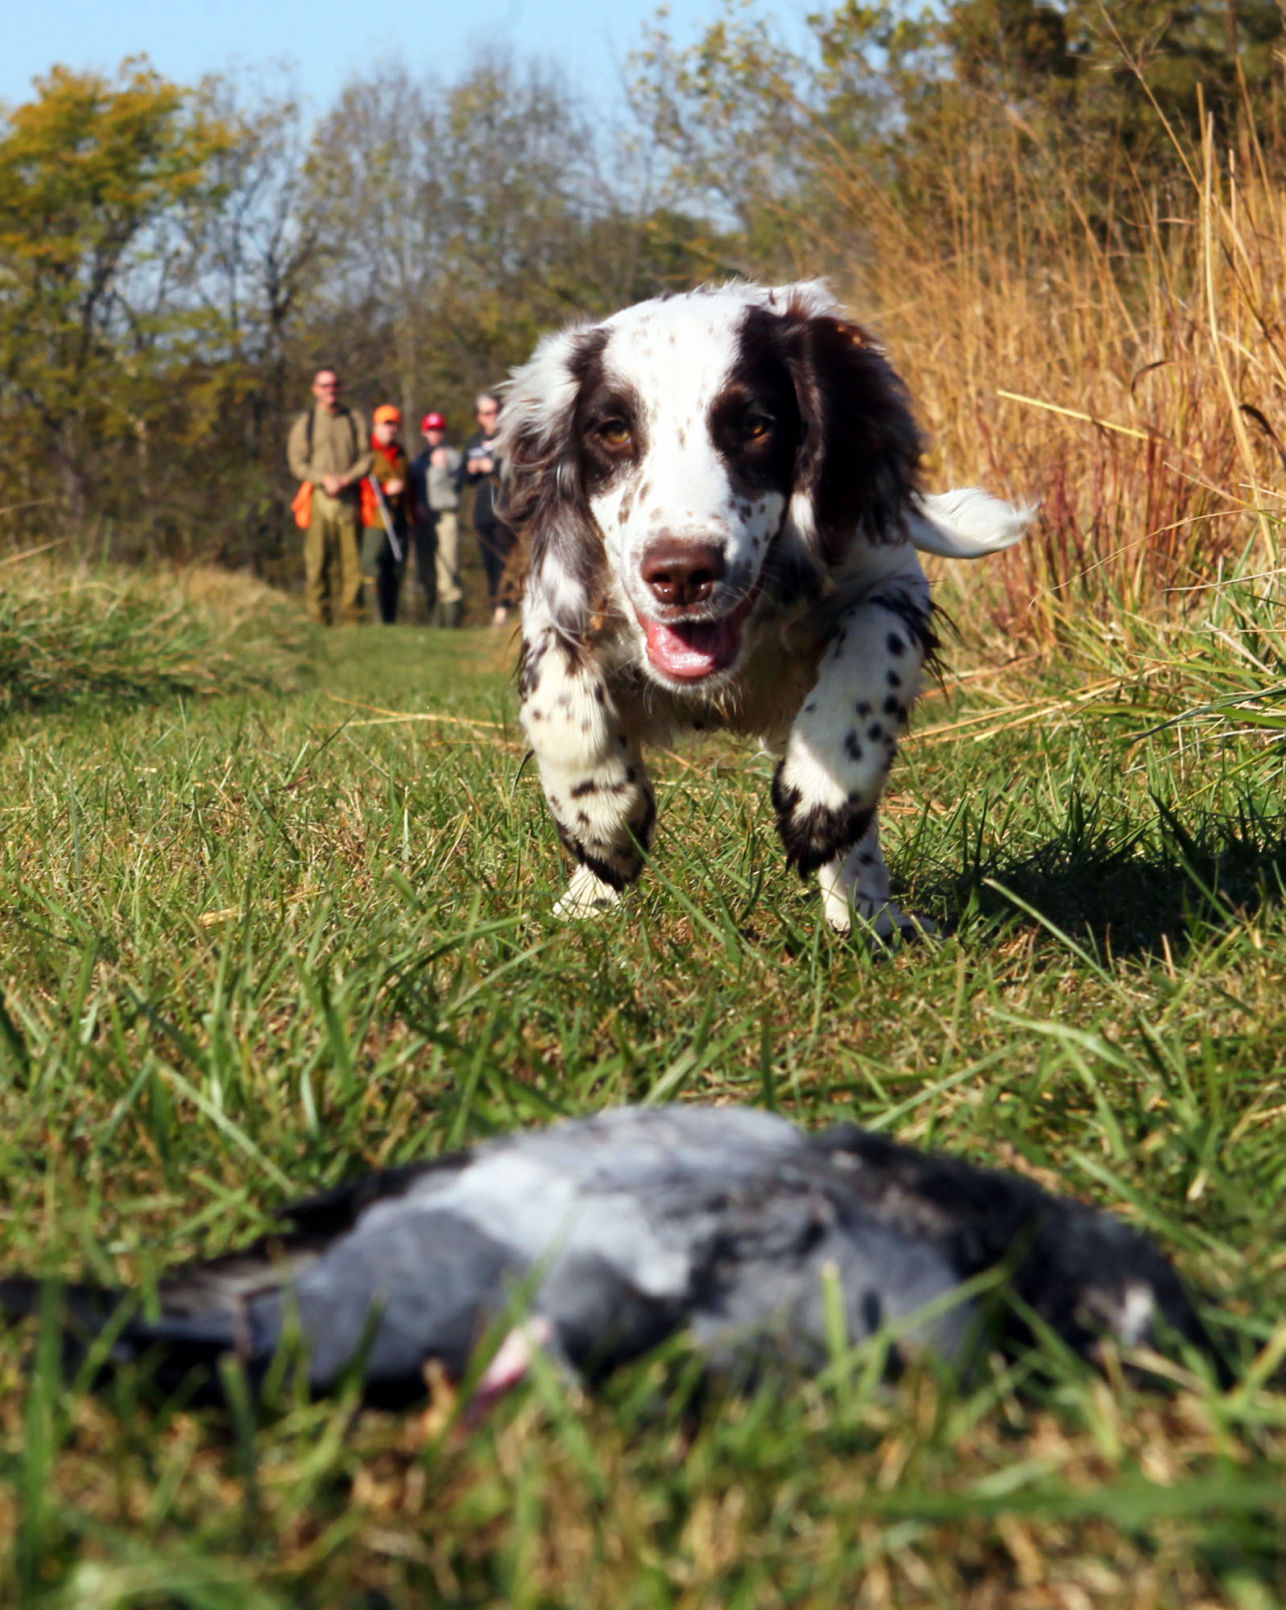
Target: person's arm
(297, 453)
(396, 479)
(469, 474)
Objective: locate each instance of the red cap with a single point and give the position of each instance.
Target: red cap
(434, 422)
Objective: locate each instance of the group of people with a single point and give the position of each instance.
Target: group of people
(365, 507)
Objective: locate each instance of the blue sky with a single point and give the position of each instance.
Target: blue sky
(325, 43)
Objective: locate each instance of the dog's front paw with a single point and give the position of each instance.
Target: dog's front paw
(587, 896)
(881, 920)
(855, 897)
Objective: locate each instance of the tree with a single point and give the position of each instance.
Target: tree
(466, 218)
(1138, 73)
(798, 145)
(93, 178)
(258, 254)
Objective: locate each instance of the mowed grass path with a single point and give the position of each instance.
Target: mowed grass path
(251, 944)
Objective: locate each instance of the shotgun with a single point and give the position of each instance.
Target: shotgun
(387, 519)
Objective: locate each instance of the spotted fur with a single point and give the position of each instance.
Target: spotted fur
(720, 495)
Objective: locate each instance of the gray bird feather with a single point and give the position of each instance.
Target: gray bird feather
(623, 1229)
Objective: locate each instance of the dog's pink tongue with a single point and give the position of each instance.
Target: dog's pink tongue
(692, 649)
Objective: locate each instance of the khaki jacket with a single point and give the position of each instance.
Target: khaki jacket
(339, 446)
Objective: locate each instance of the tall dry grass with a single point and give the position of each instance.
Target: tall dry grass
(90, 635)
(1119, 356)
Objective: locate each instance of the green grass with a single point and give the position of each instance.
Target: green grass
(252, 943)
(109, 636)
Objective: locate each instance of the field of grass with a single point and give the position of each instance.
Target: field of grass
(262, 931)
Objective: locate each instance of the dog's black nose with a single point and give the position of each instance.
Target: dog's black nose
(681, 572)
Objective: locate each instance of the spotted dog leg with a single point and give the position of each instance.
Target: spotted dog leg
(856, 884)
(841, 748)
(591, 770)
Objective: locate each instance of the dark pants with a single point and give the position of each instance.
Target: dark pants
(426, 547)
(496, 542)
(383, 571)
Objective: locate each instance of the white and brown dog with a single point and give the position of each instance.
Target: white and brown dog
(719, 492)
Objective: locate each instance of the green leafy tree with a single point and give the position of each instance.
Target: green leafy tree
(886, 107)
(1138, 75)
(95, 177)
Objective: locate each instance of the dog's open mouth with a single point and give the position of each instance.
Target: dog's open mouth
(690, 650)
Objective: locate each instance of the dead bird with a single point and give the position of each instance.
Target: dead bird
(599, 1238)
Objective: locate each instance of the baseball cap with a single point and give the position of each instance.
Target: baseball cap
(434, 422)
(386, 414)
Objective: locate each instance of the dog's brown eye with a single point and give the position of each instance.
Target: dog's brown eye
(756, 427)
(614, 433)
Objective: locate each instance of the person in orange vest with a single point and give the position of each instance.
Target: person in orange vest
(387, 514)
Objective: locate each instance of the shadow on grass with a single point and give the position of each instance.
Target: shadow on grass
(1128, 888)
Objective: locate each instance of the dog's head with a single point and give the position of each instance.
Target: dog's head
(680, 461)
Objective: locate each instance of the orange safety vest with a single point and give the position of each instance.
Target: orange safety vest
(396, 459)
(370, 505)
(302, 505)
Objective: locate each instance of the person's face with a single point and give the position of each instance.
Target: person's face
(487, 413)
(434, 437)
(327, 387)
(385, 432)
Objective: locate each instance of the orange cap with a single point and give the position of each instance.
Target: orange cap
(386, 414)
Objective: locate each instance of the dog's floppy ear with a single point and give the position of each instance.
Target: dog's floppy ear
(542, 488)
(859, 455)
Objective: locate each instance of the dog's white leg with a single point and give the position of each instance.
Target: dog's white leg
(592, 772)
(856, 885)
(842, 745)
(586, 896)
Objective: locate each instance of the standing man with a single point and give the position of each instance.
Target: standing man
(328, 449)
(481, 469)
(435, 478)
